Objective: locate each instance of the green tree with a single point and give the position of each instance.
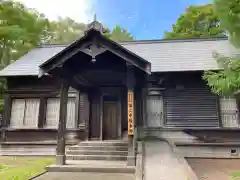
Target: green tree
(227, 81)
(66, 30)
(20, 30)
(120, 34)
(197, 21)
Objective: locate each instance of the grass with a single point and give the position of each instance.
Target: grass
(235, 175)
(22, 168)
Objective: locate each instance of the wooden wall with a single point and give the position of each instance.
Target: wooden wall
(21, 123)
(184, 100)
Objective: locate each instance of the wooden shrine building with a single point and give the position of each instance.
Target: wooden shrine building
(98, 89)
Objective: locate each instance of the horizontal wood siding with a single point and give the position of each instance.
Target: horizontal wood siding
(191, 107)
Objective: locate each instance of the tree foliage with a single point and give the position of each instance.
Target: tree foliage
(120, 34)
(20, 30)
(66, 30)
(197, 21)
(229, 14)
(227, 81)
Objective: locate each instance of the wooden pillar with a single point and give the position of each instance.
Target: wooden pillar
(6, 115)
(101, 116)
(130, 114)
(77, 109)
(61, 157)
(144, 101)
(42, 112)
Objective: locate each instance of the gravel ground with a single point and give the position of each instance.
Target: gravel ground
(215, 169)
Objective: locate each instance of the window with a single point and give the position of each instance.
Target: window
(52, 113)
(71, 113)
(24, 113)
(155, 111)
(229, 112)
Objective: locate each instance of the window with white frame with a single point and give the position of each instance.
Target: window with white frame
(52, 113)
(24, 113)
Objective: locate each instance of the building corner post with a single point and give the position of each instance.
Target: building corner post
(130, 82)
(61, 139)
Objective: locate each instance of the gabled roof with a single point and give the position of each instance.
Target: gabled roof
(164, 55)
(94, 36)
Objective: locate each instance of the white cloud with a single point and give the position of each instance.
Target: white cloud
(79, 10)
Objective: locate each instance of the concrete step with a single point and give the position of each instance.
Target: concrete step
(103, 143)
(101, 148)
(96, 152)
(92, 168)
(97, 157)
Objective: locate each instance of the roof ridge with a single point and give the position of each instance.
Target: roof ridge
(173, 40)
(51, 45)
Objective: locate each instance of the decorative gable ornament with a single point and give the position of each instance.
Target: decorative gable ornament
(96, 25)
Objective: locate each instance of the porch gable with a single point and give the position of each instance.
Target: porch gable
(92, 44)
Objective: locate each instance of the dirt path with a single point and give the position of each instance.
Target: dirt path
(215, 169)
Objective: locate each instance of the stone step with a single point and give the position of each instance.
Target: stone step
(96, 152)
(97, 157)
(92, 168)
(103, 143)
(101, 148)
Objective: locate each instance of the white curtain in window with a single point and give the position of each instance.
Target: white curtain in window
(71, 107)
(17, 113)
(31, 113)
(52, 114)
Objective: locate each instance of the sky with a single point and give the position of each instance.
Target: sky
(144, 19)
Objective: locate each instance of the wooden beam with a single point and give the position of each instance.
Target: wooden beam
(61, 157)
(69, 77)
(125, 54)
(64, 55)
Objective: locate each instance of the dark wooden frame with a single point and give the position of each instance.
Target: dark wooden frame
(95, 37)
(43, 96)
(119, 114)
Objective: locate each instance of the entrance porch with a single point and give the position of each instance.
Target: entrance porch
(114, 82)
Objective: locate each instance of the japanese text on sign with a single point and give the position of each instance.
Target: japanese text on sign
(130, 113)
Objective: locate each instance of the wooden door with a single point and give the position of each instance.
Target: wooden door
(110, 120)
(155, 111)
